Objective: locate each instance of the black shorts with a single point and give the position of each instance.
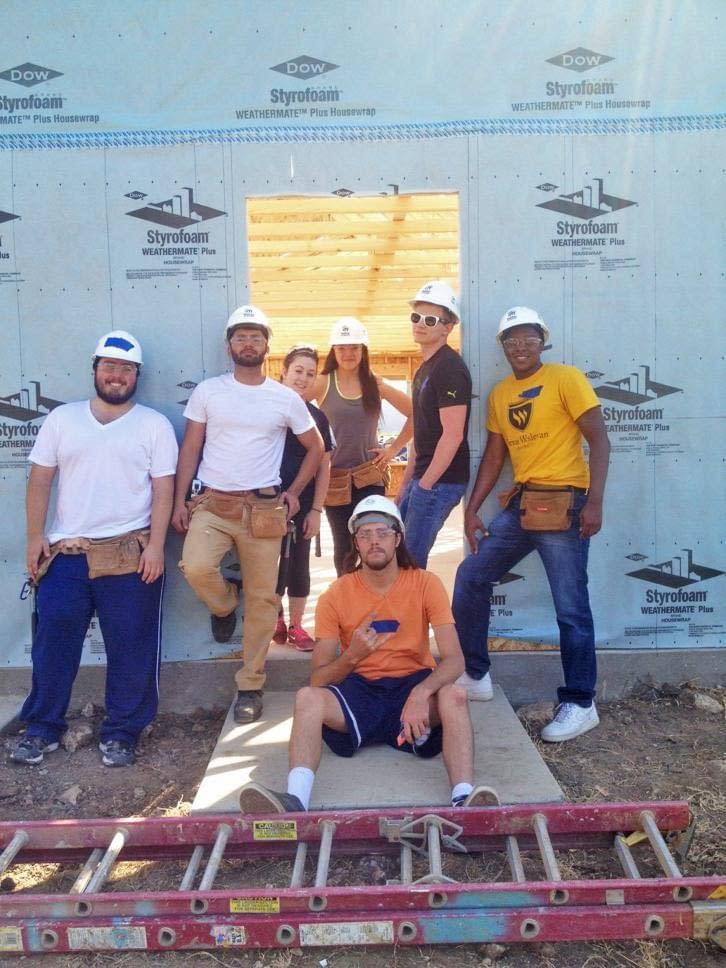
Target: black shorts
(372, 710)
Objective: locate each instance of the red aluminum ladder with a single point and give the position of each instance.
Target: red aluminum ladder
(649, 897)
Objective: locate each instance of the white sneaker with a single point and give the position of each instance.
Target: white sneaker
(480, 690)
(570, 720)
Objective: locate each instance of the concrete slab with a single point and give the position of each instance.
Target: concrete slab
(9, 708)
(378, 776)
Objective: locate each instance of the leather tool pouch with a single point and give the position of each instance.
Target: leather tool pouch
(367, 474)
(268, 521)
(340, 487)
(546, 510)
(116, 556)
(505, 497)
(228, 506)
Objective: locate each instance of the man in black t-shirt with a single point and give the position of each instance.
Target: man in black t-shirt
(438, 461)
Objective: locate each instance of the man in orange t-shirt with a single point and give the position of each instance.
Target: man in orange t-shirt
(384, 686)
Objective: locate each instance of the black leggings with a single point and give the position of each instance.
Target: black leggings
(298, 573)
(338, 521)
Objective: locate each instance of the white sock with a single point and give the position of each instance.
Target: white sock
(300, 783)
(461, 790)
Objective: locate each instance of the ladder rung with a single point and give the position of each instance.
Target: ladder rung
(215, 858)
(326, 839)
(192, 867)
(107, 861)
(406, 864)
(660, 848)
(16, 844)
(514, 859)
(625, 856)
(85, 873)
(298, 870)
(549, 861)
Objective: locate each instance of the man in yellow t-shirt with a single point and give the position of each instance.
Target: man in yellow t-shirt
(539, 416)
(385, 686)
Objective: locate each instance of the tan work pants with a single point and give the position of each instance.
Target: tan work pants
(209, 538)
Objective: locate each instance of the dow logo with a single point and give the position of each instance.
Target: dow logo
(178, 212)
(304, 68)
(579, 59)
(28, 75)
(634, 388)
(27, 404)
(588, 202)
(678, 571)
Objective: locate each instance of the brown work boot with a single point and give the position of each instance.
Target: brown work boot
(483, 796)
(223, 626)
(248, 705)
(255, 798)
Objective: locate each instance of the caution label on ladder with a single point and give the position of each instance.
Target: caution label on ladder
(347, 932)
(254, 905)
(719, 894)
(118, 938)
(274, 830)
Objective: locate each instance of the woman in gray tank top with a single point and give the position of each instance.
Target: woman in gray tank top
(350, 396)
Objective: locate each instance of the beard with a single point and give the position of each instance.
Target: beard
(114, 397)
(378, 563)
(248, 359)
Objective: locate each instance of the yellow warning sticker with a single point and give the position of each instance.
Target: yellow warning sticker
(719, 894)
(229, 935)
(11, 939)
(274, 830)
(254, 905)
(635, 838)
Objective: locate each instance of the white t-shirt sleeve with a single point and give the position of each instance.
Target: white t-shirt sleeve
(165, 450)
(196, 408)
(45, 448)
(300, 417)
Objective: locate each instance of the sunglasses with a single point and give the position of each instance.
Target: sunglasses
(429, 321)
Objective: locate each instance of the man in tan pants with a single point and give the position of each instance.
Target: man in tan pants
(237, 424)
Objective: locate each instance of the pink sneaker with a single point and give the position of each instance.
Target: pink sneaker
(297, 636)
(280, 634)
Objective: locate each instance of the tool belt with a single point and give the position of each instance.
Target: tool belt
(119, 555)
(267, 517)
(343, 479)
(543, 507)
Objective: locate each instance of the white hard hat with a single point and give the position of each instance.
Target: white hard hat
(119, 345)
(522, 316)
(440, 294)
(248, 316)
(348, 331)
(380, 508)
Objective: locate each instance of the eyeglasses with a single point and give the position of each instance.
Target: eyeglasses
(429, 321)
(368, 534)
(251, 340)
(125, 368)
(515, 342)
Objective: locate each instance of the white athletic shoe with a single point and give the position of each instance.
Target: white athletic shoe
(480, 690)
(570, 721)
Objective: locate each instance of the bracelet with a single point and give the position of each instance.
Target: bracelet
(319, 510)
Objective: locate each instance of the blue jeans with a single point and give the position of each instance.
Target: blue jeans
(129, 615)
(564, 556)
(424, 513)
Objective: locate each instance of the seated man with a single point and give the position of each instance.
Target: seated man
(385, 686)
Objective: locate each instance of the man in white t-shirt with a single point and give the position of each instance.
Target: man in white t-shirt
(236, 424)
(104, 552)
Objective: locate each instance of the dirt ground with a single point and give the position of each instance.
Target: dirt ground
(657, 744)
